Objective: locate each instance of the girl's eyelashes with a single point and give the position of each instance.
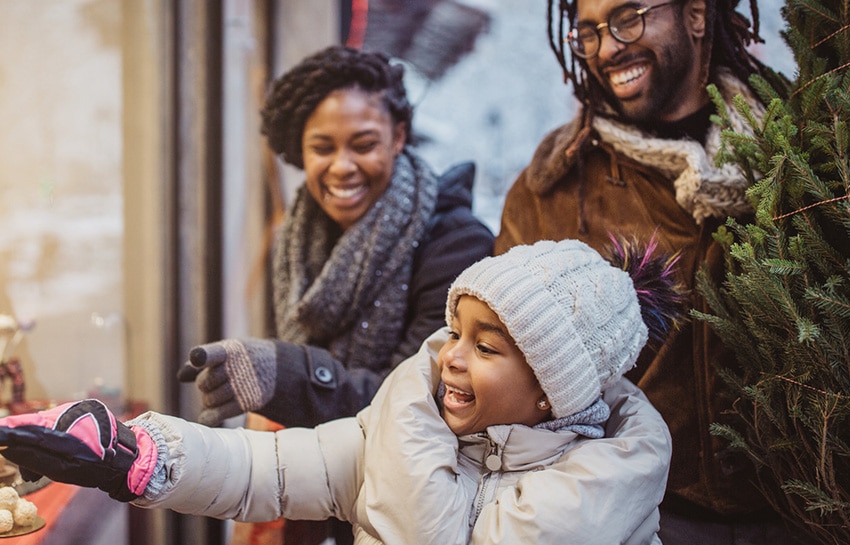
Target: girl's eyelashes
(486, 350)
(481, 347)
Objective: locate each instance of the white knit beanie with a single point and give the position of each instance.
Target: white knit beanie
(574, 316)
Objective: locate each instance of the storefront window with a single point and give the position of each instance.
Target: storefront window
(61, 202)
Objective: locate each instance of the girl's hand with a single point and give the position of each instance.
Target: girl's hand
(80, 443)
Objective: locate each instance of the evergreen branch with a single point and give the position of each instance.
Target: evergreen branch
(830, 36)
(813, 205)
(784, 303)
(825, 74)
(784, 267)
(746, 112)
(768, 94)
(808, 387)
(820, 10)
(815, 498)
(813, 246)
(829, 304)
(807, 330)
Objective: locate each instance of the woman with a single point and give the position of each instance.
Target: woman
(364, 258)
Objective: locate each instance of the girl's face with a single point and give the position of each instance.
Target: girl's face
(487, 379)
(350, 143)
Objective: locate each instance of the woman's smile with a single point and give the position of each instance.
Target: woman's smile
(345, 197)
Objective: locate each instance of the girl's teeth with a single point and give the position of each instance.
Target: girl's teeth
(459, 395)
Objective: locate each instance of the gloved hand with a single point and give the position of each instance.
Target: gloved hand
(234, 376)
(292, 384)
(81, 443)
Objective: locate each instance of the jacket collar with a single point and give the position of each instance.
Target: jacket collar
(515, 447)
(701, 188)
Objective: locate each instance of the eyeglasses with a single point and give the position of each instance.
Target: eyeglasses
(626, 24)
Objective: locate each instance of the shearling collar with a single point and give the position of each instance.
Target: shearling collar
(702, 188)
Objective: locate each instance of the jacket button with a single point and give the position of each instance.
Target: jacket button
(323, 375)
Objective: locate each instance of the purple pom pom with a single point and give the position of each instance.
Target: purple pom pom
(661, 295)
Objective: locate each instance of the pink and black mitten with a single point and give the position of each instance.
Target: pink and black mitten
(81, 443)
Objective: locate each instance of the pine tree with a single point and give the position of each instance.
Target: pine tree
(784, 304)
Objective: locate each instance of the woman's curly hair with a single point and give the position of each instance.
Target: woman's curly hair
(297, 93)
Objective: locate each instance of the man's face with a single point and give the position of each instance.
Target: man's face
(656, 77)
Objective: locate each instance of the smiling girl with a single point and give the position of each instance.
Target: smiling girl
(514, 424)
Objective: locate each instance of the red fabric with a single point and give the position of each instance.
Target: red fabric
(359, 20)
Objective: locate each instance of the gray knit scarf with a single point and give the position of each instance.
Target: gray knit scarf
(348, 293)
(589, 422)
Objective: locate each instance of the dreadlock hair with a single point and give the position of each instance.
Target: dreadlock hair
(728, 33)
(296, 94)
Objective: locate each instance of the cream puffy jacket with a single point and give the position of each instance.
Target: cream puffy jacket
(395, 471)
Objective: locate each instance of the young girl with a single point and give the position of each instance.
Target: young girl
(511, 425)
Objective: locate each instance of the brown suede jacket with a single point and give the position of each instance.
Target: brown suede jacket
(621, 196)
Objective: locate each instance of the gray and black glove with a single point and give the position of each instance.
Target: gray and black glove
(290, 384)
(234, 376)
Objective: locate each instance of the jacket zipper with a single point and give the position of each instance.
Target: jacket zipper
(483, 487)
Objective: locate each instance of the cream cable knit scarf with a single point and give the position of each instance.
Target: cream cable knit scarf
(349, 294)
(702, 189)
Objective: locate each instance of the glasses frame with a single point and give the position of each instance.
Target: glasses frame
(607, 24)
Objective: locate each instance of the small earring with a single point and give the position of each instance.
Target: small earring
(543, 404)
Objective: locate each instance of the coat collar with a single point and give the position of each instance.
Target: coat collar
(702, 188)
(515, 447)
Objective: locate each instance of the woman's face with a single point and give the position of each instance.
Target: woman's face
(350, 143)
(487, 379)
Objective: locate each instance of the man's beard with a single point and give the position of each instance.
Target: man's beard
(666, 75)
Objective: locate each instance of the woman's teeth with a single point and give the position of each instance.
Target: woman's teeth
(345, 193)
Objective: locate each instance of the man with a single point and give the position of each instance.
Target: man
(638, 160)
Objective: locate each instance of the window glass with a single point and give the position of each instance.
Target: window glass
(61, 194)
